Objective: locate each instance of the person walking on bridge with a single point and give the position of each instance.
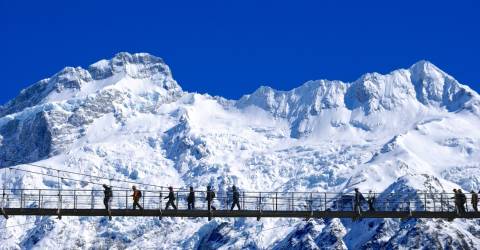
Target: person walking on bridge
(236, 198)
(456, 199)
(191, 199)
(209, 198)
(107, 198)
(357, 208)
(371, 201)
(474, 201)
(137, 194)
(171, 199)
(462, 199)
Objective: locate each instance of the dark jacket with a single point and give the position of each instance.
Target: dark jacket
(191, 197)
(210, 195)
(236, 195)
(358, 197)
(108, 192)
(171, 196)
(463, 198)
(474, 198)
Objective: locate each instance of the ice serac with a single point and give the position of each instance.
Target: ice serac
(399, 134)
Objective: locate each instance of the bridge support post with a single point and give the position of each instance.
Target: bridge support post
(177, 200)
(92, 204)
(425, 201)
(39, 199)
(311, 205)
(259, 207)
(441, 202)
(325, 200)
(293, 206)
(5, 215)
(209, 204)
(276, 201)
(21, 198)
(75, 200)
(143, 198)
(59, 211)
(243, 201)
(161, 198)
(3, 204)
(160, 216)
(126, 199)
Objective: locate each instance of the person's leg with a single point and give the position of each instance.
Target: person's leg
(233, 205)
(238, 205)
(105, 202)
(136, 203)
(174, 206)
(357, 208)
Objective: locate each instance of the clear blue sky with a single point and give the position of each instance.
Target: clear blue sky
(229, 48)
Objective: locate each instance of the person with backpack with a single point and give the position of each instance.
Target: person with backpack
(474, 201)
(456, 198)
(371, 201)
(137, 194)
(209, 198)
(107, 198)
(357, 208)
(171, 199)
(191, 199)
(236, 198)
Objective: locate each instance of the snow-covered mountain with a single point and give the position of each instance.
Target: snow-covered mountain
(413, 129)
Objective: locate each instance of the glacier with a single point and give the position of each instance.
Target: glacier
(413, 129)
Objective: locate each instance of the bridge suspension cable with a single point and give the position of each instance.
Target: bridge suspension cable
(86, 175)
(65, 178)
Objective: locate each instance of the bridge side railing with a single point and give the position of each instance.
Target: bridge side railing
(266, 201)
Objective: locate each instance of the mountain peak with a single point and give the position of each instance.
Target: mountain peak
(425, 68)
(138, 65)
(139, 72)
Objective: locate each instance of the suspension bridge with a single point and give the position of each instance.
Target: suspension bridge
(48, 202)
(80, 202)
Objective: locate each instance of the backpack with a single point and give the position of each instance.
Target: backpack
(236, 195)
(463, 198)
(213, 195)
(139, 194)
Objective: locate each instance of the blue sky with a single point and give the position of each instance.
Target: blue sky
(229, 48)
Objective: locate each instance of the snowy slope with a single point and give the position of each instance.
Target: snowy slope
(127, 118)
